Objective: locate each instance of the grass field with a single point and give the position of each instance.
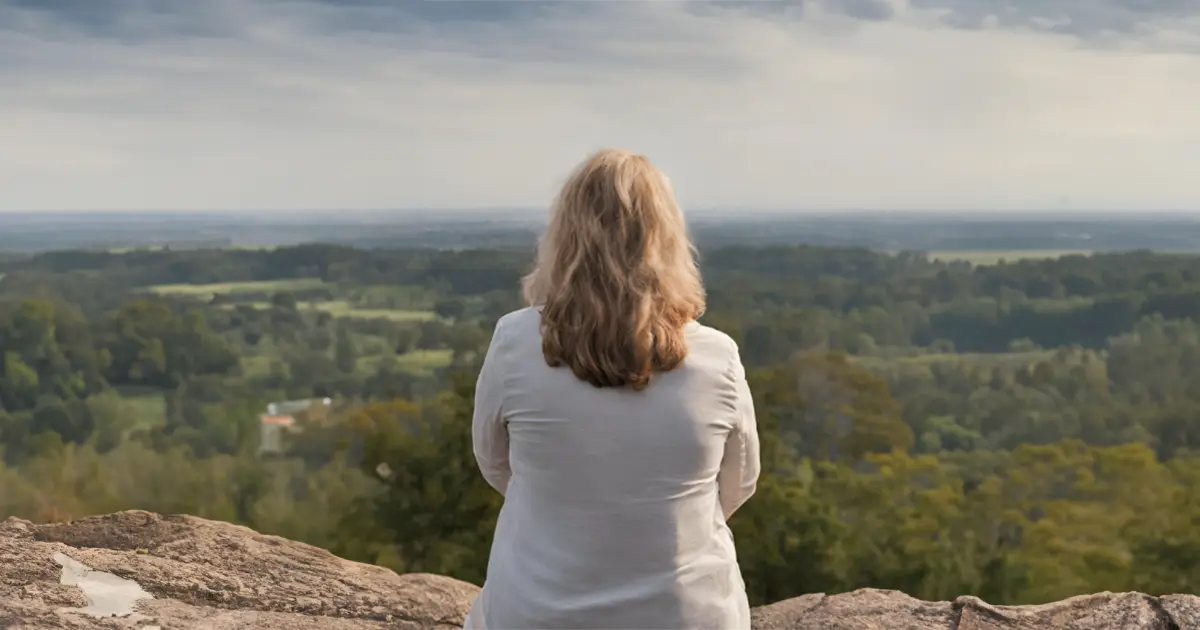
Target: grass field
(257, 365)
(391, 296)
(998, 359)
(205, 291)
(342, 308)
(133, 249)
(985, 257)
(419, 362)
(184, 248)
(147, 407)
(1041, 305)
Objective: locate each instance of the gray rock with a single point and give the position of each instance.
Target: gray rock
(866, 609)
(1182, 610)
(217, 576)
(871, 609)
(205, 574)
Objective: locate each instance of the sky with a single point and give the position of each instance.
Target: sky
(278, 105)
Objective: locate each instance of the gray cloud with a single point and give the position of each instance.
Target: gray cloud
(129, 21)
(385, 103)
(542, 32)
(865, 10)
(440, 11)
(870, 10)
(1077, 17)
(138, 19)
(141, 20)
(1082, 18)
(603, 34)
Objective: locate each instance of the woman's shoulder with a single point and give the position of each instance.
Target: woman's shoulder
(710, 339)
(520, 322)
(711, 349)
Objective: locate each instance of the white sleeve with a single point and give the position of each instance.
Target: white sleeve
(740, 466)
(488, 431)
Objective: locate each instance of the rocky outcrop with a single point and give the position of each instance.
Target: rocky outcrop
(205, 574)
(871, 609)
(149, 572)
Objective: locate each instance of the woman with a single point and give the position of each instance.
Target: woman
(619, 430)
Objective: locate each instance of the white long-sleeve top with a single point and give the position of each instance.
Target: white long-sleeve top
(615, 500)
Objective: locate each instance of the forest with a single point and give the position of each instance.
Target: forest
(1020, 430)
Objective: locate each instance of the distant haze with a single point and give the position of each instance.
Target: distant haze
(251, 106)
(971, 236)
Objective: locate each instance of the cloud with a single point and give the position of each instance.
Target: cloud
(288, 104)
(1081, 17)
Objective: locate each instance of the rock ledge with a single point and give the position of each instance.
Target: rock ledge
(195, 573)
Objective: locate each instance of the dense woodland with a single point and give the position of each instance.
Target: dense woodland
(1022, 432)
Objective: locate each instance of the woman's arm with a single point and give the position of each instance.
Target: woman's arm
(740, 466)
(488, 432)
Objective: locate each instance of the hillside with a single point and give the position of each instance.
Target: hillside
(187, 572)
(1022, 432)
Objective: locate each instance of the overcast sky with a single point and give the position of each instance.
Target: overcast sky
(840, 104)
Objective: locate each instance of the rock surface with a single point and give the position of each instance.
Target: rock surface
(205, 574)
(200, 574)
(871, 609)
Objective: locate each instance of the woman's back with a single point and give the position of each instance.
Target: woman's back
(616, 499)
(620, 431)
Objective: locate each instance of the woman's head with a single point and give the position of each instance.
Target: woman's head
(616, 275)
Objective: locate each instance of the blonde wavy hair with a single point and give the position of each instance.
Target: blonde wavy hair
(616, 277)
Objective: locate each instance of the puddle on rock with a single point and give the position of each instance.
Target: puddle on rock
(107, 594)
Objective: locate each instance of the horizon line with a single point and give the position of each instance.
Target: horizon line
(959, 213)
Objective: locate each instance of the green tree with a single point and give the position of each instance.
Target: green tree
(435, 513)
(345, 354)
